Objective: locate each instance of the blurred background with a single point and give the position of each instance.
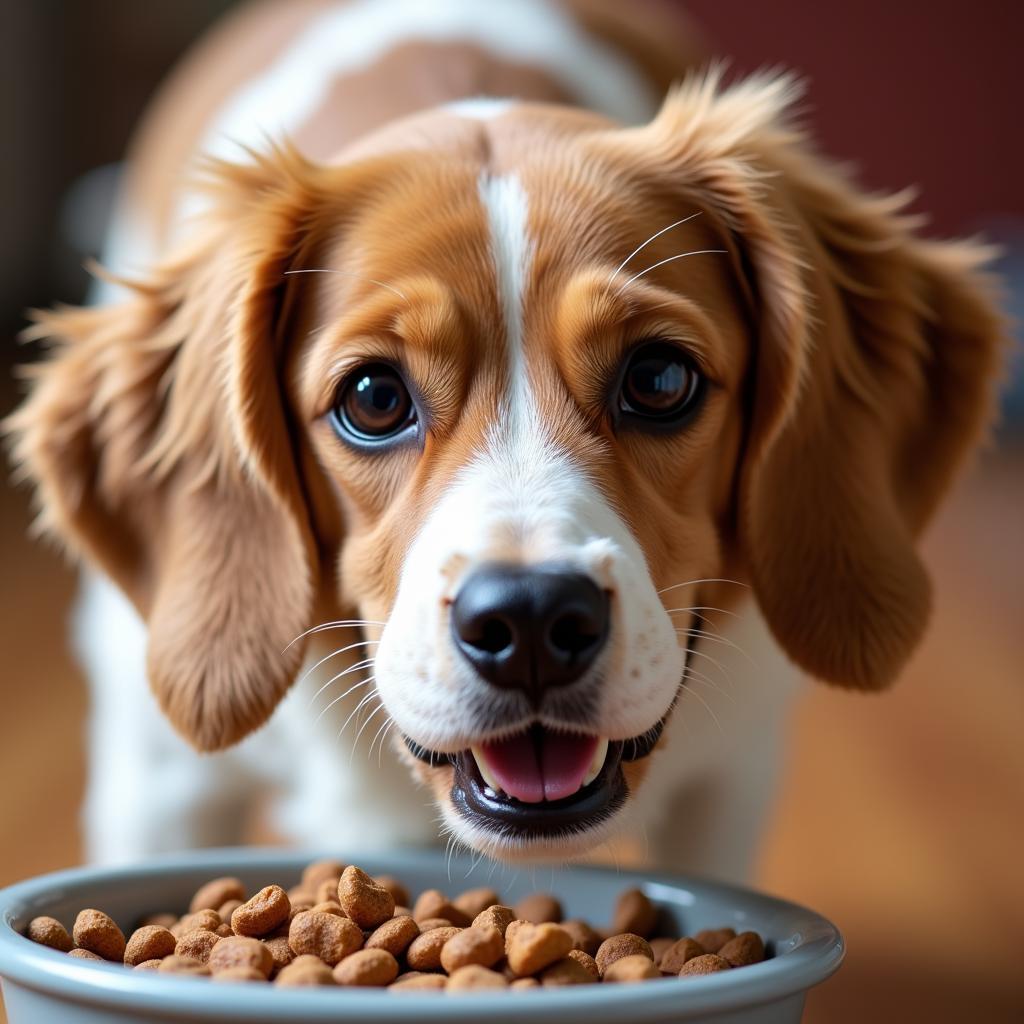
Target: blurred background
(902, 815)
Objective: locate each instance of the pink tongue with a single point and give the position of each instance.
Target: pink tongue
(533, 771)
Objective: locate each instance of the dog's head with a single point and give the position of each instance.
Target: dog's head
(515, 383)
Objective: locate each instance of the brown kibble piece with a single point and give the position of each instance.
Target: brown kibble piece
(303, 972)
(327, 891)
(713, 939)
(150, 942)
(619, 946)
(48, 931)
(679, 953)
(483, 946)
(162, 920)
(365, 902)
(413, 981)
(149, 965)
(539, 908)
(370, 968)
(534, 946)
(475, 901)
(328, 907)
(706, 963)
(567, 971)
(223, 931)
(208, 919)
(474, 977)
(97, 933)
(519, 984)
(583, 936)
(496, 916)
(424, 952)
(745, 949)
(215, 893)
(183, 965)
(327, 936)
(196, 944)
(428, 924)
(394, 935)
(84, 954)
(320, 871)
(261, 914)
(586, 961)
(239, 974)
(636, 967)
(241, 951)
(281, 953)
(511, 929)
(660, 946)
(433, 903)
(634, 913)
(226, 909)
(399, 892)
(299, 894)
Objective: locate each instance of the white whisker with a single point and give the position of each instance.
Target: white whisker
(716, 639)
(657, 234)
(309, 671)
(690, 583)
(368, 697)
(358, 666)
(338, 624)
(669, 259)
(351, 689)
(355, 743)
(710, 711)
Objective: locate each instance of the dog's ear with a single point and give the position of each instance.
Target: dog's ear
(871, 381)
(158, 436)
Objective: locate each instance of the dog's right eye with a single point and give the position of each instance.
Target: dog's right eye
(373, 405)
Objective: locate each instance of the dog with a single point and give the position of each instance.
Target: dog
(490, 437)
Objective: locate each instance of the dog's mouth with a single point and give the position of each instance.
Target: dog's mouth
(541, 781)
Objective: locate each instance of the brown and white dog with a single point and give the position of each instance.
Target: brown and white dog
(559, 431)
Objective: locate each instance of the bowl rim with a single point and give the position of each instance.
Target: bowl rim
(817, 955)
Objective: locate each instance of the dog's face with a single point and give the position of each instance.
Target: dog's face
(498, 384)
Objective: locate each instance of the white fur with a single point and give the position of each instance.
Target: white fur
(148, 791)
(480, 108)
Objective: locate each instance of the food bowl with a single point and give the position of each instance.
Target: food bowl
(41, 985)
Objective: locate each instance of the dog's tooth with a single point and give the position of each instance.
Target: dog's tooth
(596, 763)
(485, 771)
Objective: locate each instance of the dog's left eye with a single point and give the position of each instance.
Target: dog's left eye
(373, 405)
(659, 384)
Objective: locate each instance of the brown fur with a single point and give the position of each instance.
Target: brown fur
(177, 439)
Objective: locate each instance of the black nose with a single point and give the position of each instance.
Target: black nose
(530, 628)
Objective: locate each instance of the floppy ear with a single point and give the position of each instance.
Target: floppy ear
(158, 438)
(872, 379)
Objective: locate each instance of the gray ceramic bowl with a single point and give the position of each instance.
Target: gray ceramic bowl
(42, 986)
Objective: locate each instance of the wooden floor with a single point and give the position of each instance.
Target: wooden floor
(901, 817)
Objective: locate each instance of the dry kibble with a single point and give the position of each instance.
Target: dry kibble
(634, 913)
(399, 892)
(713, 939)
(183, 965)
(261, 914)
(619, 946)
(496, 916)
(150, 942)
(660, 946)
(162, 920)
(215, 893)
(327, 890)
(424, 952)
(149, 965)
(474, 977)
(679, 953)
(745, 949)
(226, 909)
(239, 974)
(706, 963)
(394, 936)
(414, 981)
(475, 901)
(48, 931)
(365, 902)
(483, 946)
(534, 946)
(328, 907)
(327, 936)
(511, 929)
(196, 944)
(320, 871)
(241, 951)
(303, 972)
(433, 903)
(567, 971)
(208, 919)
(97, 933)
(636, 967)
(84, 954)
(281, 953)
(586, 961)
(372, 968)
(430, 923)
(223, 931)
(583, 936)
(299, 894)
(539, 908)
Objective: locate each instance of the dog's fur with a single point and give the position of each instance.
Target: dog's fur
(179, 444)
